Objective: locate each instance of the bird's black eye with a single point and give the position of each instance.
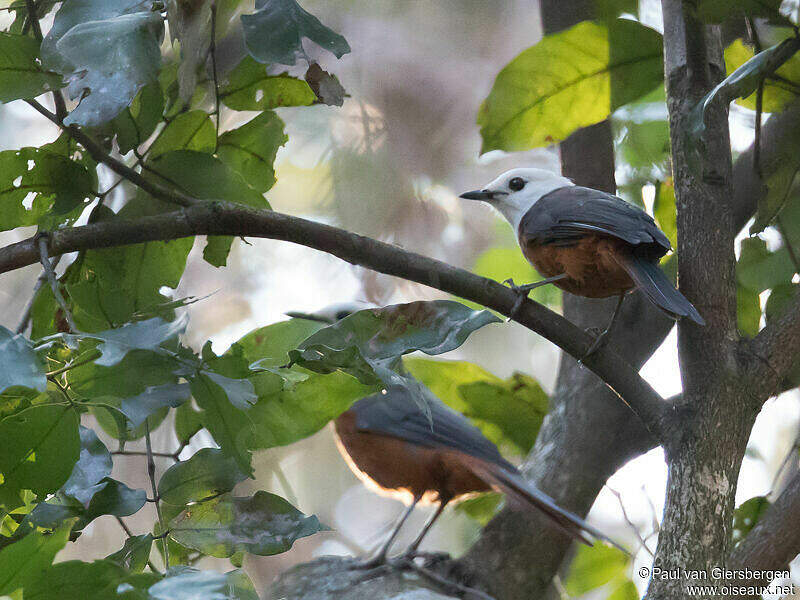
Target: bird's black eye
(516, 184)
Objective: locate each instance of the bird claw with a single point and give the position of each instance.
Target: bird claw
(521, 291)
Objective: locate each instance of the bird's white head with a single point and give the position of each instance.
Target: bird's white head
(517, 190)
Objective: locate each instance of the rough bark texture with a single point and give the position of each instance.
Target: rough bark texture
(705, 455)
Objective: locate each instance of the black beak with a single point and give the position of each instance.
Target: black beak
(478, 195)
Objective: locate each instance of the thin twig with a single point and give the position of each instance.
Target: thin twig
(630, 523)
(51, 277)
(33, 19)
(213, 51)
(26, 316)
(151, 472)
(74, 365)
(140, 453)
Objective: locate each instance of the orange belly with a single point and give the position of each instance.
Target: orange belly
(388, 465)
(592, 271)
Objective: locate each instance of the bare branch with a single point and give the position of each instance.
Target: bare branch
(225, 218)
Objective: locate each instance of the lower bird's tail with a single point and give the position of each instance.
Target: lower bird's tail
(523, 492)
(649, 278)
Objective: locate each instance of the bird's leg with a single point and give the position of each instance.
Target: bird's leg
(411, 551)
(522, 291)
(380, 558)
(602, 337)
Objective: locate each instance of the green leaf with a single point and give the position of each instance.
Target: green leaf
(250, 150)
(569, 80)
(208, 178)
(19, 365)
(110, 49)
(188, 422)
(263, 524)
(509, 413)
(21, 75)
(134, 554)
(482, 508)
(208, 473)
(779, 298)
(741, 83)
(747, 515)
(94, 464)
(249, 87)
(759, 269)
(777, 93)
(369, 343)
(326, 86)
(153, 399)
(192, 130)
(626, 590)
(38, 187)
(611, 9)
(274, 33)
(136, 123)
(112, 498)
(23, 562)
(41, 445)
(98, 580)
(594, 566)
(231, 427)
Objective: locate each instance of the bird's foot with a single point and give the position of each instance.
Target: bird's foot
(522, 292)
(428, 557)
(376, 562)
(600, 340)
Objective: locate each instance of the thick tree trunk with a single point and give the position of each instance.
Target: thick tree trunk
(706, 451)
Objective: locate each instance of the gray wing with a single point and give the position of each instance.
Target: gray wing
(566, 214)
(396, 414)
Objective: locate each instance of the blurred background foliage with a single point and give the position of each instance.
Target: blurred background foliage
(375, 127)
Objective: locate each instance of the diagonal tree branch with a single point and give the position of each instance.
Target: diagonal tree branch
(225, 218)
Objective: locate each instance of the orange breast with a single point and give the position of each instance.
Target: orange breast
(395, 467)
(590, 265)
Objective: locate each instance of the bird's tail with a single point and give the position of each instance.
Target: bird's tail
(649, 278)
(525, 493)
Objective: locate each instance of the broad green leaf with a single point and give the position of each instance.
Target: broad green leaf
(326, 86)
(134, 554)
(108, 412)
(207, 177)
(24, 561)
(482, 508)
(97, 580)
(777, 92)
(262, 524)
(184, 583)
(111, 51)
(284, 417)
(759, 269)
(269, 346)
(275, 32)
(112, 498)
(41, 445)
(138, 408)
(569, 80)
(206, 474)
(188, 422)
(644, 144)
(747, 515)
(21, 75)
(232, 428)
(192, 130)
(509, 413)
(594, 566)
(250, 150)
(369, 343)
(136, 123)
(779, 298)
(94, 464)
(38, 187)
(19, 365)
(136, 372)
(239, 585)
(249, 87)
(741, 83)
(230, 372)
